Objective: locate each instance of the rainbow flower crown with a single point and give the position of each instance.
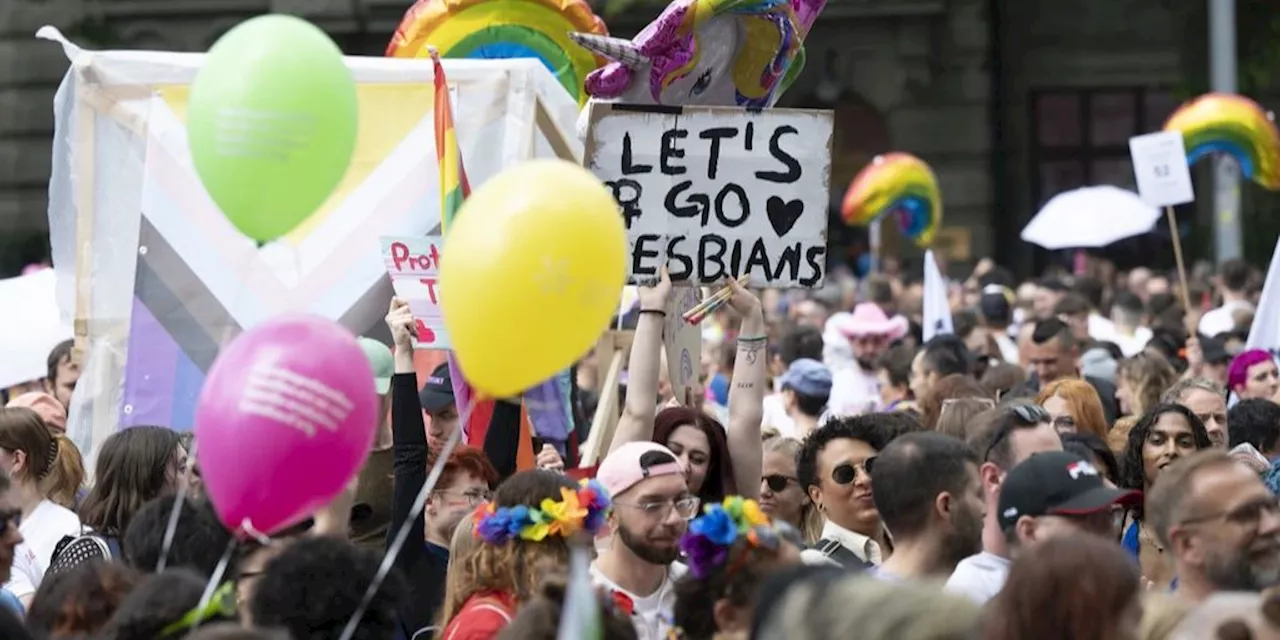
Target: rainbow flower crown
(584, 509)
(707, 543)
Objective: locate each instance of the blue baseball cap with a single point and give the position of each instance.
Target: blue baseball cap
(808, 377)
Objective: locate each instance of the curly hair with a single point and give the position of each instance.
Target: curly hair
(866, 428)
(517, 567)
(738, 581)
(79, 602)
(1132, 475)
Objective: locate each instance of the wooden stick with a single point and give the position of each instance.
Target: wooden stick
(1177, 256)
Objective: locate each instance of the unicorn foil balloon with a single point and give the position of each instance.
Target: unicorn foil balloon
(706, 52)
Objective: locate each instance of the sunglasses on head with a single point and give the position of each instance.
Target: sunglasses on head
(1028, 415)
(847, 472)
(777, 482)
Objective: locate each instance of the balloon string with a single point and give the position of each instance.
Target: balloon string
(214, 581)
(419, 503)
(171, 529)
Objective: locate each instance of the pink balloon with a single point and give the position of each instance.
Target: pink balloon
(285, 419)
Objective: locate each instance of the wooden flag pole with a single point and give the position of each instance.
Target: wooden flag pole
(1177, 256)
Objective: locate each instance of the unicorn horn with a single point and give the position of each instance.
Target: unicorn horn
(616, 49)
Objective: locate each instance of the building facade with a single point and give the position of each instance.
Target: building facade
(1009, 101)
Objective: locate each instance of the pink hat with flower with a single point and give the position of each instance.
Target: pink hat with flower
(868, 319)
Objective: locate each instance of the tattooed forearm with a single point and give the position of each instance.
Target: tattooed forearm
(751, 349)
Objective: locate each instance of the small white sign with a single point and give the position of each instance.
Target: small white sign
(717, 192)
(1160, 166)
(414, 266)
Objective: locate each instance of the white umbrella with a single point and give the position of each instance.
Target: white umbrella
(1090, 217)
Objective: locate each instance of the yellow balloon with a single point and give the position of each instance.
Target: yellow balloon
(531, 273)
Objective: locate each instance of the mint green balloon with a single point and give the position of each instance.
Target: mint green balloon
(272, 123)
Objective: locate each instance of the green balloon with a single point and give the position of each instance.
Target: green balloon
(272, 123)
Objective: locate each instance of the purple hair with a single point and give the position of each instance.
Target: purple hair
(1238, 372)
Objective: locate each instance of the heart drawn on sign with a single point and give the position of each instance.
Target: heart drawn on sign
(783, 214)
(425, 334)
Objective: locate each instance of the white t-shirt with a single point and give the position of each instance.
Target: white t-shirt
(980, 576)
(652, 614)
(41, 531)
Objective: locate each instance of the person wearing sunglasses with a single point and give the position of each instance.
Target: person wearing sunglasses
(834, 469)
(1003, 437)
(1219, 523)
(781, 496)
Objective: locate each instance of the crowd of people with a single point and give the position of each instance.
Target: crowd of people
(1071, 462)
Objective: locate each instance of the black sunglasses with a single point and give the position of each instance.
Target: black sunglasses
(847, 472)
(777, 482)
(1028, 415)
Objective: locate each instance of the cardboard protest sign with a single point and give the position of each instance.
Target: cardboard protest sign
(682, 343)
(414, 266)
(717, 192)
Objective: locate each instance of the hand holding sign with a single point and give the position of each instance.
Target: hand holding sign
(414, 265)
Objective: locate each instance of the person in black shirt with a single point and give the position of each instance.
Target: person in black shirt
(468, 475)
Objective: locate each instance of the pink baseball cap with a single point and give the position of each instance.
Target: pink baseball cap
(634, 462)
(48, 407)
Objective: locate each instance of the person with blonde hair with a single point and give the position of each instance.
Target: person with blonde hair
(1140, 380)
(1074, 406)
(523, 533)
(781, 496)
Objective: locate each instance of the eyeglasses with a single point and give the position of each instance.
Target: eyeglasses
(1028, 415)
(1065, 423)
(1247, 515)
(472, 496)
(778, 482)
(847, 472)
(686, 507)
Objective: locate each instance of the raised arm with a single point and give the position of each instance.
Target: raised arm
(636, 424)
(408, 434)
(746, 393)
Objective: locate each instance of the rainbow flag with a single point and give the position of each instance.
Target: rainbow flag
(453, 190)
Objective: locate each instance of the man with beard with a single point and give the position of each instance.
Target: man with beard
(1004, 437)
(1049, 495)
(1219, 523)
(927, 491)
(853, 345)
(651, 509)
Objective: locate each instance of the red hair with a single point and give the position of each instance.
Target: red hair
(1083, 401)
(465, 459)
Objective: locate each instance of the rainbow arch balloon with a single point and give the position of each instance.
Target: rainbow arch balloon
(1234, 125)
(500, 29)
(900, 185)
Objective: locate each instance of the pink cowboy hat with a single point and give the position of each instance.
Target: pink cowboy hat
(868, 319)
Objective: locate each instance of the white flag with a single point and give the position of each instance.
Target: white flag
(1265, 332)
(937, 311)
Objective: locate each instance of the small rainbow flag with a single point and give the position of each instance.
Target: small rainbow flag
(453, 190)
